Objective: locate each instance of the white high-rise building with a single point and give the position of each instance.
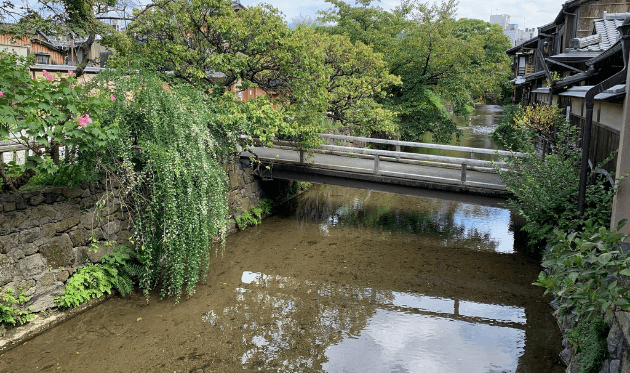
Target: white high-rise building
(511, 30)
(502, 20)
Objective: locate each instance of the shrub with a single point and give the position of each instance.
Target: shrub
(588, 271)
(47, 114)
(11, 315)
(546, 190)
(508, 132)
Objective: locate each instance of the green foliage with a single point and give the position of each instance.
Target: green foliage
(546, 190)
(508, 133)
(356, 77)
(176, 140)
(309, 75)
(439, 59)
(46, 114)
(86, 283)
(590, 339)
(11, 315)
(120, 260)
(293, 187)
(588, 271)
(254, 216)
(246, 219)
(265, 206)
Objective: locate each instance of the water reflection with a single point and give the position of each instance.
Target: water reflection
(451, 223)
(360, 329)
(476, 133)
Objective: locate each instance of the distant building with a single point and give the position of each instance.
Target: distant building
(502, 20)
(511, 30)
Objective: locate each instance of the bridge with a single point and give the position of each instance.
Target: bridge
(339, 164)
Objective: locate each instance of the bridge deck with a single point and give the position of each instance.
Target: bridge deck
(286, 162)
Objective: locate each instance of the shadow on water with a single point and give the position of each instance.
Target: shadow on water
(342, 280)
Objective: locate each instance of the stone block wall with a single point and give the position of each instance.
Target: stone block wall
(618, 343)
(47, 234)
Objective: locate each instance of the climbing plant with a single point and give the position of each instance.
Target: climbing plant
(174, 142)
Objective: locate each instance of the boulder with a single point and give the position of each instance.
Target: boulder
(7, 269)
(44, 297)
(58, 251)
(31, 266)
(72, 191)
(7, 243)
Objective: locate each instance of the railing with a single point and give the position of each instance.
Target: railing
(399, 156)
(12, 147)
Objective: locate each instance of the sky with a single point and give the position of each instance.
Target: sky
(527, 14)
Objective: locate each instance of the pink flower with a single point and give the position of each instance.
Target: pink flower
(112, 97)
(84, 120)
(1, 93)
(47, 75)
(71, 73)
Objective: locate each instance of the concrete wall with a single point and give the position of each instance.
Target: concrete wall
(46, 235)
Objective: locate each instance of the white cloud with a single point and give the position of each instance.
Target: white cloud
(531, 13)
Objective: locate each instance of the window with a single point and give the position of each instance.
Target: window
(42, 59)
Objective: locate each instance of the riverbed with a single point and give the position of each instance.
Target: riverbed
(338, 280)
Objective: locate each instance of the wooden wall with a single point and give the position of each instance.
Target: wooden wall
(593, 10)
(604, 140)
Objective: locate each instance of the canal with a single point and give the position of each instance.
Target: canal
(338, 280)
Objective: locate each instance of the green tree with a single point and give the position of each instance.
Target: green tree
(438, 59)
(356, 77)
(311, 76)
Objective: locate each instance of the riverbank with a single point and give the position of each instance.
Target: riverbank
(47, 234)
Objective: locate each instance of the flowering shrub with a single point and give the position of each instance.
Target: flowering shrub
(46, 115)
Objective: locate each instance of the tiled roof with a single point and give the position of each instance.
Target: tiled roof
(580, 91)
(605, 34)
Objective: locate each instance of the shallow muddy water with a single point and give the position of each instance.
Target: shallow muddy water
(476, 133)
(341, 280)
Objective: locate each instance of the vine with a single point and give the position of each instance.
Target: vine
(176, 140)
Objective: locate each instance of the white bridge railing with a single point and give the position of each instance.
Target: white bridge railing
(399, 156)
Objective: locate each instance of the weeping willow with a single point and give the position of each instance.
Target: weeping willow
(174, 143)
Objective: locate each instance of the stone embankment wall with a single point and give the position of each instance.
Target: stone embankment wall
(618, 342)
(47, 234)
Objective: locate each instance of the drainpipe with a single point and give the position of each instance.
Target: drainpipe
(589, 100)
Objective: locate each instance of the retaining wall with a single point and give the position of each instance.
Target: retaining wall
(47, 234)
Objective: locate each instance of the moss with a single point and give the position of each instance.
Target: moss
(589, 336)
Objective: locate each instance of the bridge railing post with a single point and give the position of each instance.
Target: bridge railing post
(464, 166)
(398, 150)
(376, 162)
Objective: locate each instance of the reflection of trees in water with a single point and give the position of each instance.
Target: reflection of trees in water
(287, 325)
(344, 207)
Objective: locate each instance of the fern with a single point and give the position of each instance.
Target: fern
(91, 281)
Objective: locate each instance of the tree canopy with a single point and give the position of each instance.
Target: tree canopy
(439, 59)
